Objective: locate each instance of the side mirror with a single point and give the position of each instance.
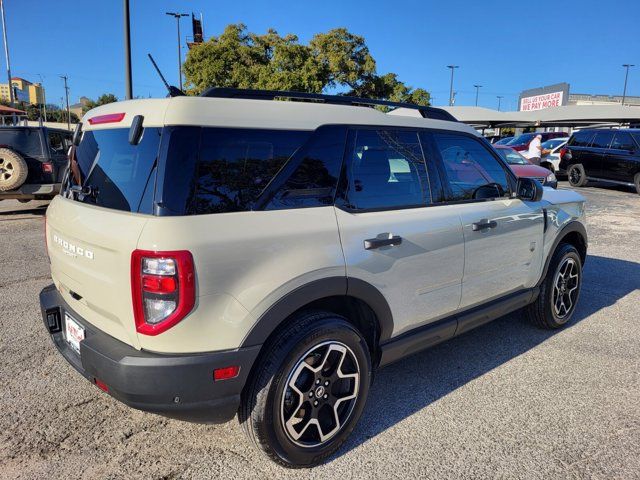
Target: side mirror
(529, 189)
(77, 134)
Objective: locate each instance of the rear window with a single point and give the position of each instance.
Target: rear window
(116, 171)
(25, 141)
(580, 139)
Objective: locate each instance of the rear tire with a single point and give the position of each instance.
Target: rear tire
(559, 291)
(317, 370)
(636, 180)
(13, 170)
(576, 175)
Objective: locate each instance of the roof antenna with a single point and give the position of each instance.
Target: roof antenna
(173, 91)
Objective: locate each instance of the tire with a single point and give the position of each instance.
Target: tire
(13, 170)
(271, 415)
(576, 175)
(560, 287)
(636, 181)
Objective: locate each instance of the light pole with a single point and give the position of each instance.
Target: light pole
(626, 76)
(477, 92)
(6, 54)
(499, 97)
(177, 17)
(44, 98)
(128, 88)
(452, 67)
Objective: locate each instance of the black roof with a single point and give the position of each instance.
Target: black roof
(252, 94)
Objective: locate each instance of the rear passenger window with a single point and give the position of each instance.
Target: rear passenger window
(623, 141)
(386, 170)
(236, 165)
(580, 139)
(602, 139)
(469, 165)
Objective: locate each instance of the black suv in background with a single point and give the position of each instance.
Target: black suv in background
(32, 162)
(609, 155)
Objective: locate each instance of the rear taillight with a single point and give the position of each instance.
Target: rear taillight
(163, 289)
(563, 151)
(108, 118)
(47, 167)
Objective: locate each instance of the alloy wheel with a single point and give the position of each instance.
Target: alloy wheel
(320, 394)
(565, 288)
(575, 175)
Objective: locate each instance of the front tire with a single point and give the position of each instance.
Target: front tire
(559, 291)
(636, 181)
(308, 390)
(577, 175)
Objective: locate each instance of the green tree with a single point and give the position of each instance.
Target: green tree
(337, 59)
(102, 100)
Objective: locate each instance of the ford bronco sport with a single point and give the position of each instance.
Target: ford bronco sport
(237, 254)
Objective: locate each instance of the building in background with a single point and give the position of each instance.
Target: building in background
(80, 107)
(558, 95)
(24, 91)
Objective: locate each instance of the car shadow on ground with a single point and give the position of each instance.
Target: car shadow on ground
(408, 386)
(22, 210)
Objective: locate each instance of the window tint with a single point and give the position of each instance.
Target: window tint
(602, 139)
(236, 165)
(312, 177)
(522, 139)
(623, 141)
(386, 170)
(469, 165)
(25, 141)
(117, 170)
(56, 142)
(580, 139)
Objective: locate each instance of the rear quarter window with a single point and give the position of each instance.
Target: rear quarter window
(580, 139)
(235, 166)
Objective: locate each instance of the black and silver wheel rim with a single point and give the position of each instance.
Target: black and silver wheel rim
(6, 169)
(575, 175)
(320, 394)
(565, 288)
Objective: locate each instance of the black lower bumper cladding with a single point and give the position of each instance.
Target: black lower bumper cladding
(176, 386)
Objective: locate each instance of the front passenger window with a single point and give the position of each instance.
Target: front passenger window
(473, 173)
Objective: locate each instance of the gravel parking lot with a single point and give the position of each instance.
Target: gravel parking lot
(504, 401)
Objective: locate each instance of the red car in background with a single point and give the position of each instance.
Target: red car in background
(523, 168)
(521, 142)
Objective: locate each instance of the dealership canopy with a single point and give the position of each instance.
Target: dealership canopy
(569, 115)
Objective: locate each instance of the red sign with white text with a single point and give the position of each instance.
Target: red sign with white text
(539, 102)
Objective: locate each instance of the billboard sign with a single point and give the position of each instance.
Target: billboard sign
(545, 97)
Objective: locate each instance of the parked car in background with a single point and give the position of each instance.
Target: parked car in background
(523, 168)
(504, 141)
(521, 142)
(551, 154)
(32, 162)
(599, 154)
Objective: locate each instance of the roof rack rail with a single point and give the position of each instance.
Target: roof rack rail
(253, 94)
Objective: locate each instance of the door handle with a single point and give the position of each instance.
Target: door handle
(391, 240)
(483, 225)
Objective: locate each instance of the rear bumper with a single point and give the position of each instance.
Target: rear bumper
(176, 386)
(32, 191)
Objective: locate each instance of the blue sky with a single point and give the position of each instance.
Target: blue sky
(506, 46)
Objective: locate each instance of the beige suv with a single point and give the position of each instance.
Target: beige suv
(238, 254)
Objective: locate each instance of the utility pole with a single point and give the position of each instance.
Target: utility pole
(626, 76)
(177, 17)
(44, 98)
(6, 54)
(66, 92)
(499, 97)
(452, 67)
(477, 92)
(128, 88)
